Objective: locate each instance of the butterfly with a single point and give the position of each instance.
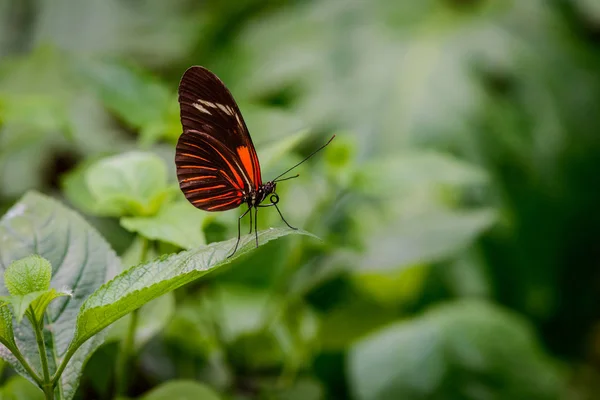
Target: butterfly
(217, 164)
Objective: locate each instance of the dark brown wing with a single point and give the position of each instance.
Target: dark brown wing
(216, 160)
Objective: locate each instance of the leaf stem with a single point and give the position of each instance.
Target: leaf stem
(19, 356)
(127, 345)
(125, 355)
(63, 364)
(47, 386)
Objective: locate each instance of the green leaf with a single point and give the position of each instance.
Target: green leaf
(423, 238)
(38, 301)
(153, 317)
(139, 99)
(178, 223)
(421, 89)
(139, 284)
(181, 390)
(136, 97)
(412, 170)
(134, 183)
(75, 188)
(490, 349)
(21, 303)
(302, 389)
(18, 388)
(28, 275)
(399, 286)
(82, 261)
(336, 334)
(6, 328)
(113, 29)
(41, 303)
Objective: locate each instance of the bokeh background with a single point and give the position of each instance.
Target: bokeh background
(458, 205)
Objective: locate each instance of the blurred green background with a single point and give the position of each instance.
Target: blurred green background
(458, 205)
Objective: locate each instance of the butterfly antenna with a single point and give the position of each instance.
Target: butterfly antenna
(288, 178)
(309, 156)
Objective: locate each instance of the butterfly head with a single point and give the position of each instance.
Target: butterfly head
(264, 191)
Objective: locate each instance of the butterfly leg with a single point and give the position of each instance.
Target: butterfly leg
(239, 230)
(250, 221)
(256, 224)
(280, 214)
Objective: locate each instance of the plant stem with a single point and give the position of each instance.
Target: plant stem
(125, 355)
(127, 345)
(19, 356)
(47, 386)
(63, 365)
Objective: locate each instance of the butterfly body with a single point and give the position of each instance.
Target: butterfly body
(217, 164)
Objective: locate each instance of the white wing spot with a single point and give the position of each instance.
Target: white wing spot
(224, 109)
(207, 103)
(200, 108)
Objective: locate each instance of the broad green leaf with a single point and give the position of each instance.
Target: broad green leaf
(393, 287)
(181, 390)
(38, 301)
(75, 188)
(81, 262)
(6, 328)
(45, 113)
(423, 238)
(139, 284)
(302, 389)
(242, 310)
(41, 303)
(133, 183)
(28, 275)
(408, 171)
(494, 350)
(138, 98)
(178, 223)
(20, 303)
(110, 28)
(18, 388)
(337, 334)
(421, 89)
(153, 317)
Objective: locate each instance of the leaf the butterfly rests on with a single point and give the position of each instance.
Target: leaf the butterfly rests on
(217, 165)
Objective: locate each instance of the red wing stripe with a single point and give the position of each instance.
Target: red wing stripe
(206, 199)
(205, 188)
(237, 177)
(222, 204)
(198, 167)
(194, 156)
(197, 178)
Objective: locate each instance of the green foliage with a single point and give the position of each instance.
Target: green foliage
(136, 98)
(134, 183)
(28, 275)
(181, 390)
(142, 283)
(82, 261)
(19, 388)
(463, 170)
(178, 223)
(29, 279)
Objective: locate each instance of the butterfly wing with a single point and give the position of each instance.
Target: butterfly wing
(216, 161)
